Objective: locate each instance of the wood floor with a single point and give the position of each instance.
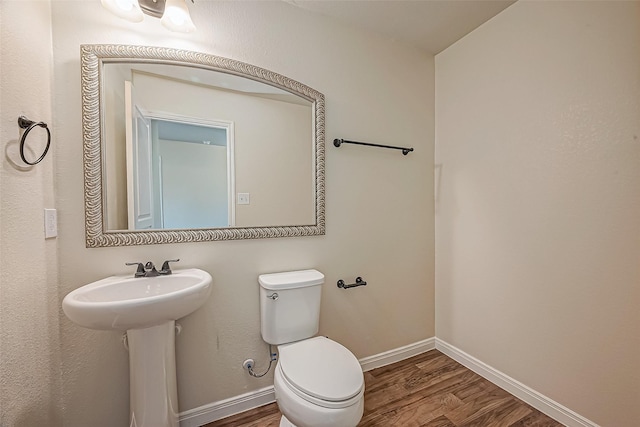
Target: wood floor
(427, 390)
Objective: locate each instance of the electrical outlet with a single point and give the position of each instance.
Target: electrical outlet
(243, 199)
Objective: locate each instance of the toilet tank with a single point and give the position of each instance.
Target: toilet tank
(290, 305)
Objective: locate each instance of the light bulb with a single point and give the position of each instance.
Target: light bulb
(176, 17)
(125, 9)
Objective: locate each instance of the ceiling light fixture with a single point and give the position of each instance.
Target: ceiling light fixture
(176, 17)
(125, 9)
(173, 14)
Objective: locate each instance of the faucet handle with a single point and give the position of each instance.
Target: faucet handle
(165, 266)
(139, 271)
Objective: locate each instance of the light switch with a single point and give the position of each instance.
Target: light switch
(243, 198)
(50, 223)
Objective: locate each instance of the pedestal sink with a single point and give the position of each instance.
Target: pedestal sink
(147, 308)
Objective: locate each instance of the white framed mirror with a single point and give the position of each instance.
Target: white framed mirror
(182, 146)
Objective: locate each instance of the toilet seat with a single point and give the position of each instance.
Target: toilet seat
(322, 372)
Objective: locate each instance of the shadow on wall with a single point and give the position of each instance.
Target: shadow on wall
(12, 156)
(437, 175)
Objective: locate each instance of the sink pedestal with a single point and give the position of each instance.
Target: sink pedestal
(152, 376)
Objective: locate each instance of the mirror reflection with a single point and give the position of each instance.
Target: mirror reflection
(190, 148)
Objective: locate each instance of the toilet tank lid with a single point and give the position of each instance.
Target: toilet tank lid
(291, 279)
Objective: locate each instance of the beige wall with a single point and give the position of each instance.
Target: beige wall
(538, 201)
(29, 339)
(379, 203)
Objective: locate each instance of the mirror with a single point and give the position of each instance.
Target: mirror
(182, 146)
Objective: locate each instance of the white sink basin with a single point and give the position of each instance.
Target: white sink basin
(125, 302)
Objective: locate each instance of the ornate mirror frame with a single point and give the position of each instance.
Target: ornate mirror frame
(92, 59)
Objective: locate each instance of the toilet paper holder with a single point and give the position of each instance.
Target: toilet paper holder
(359, 282)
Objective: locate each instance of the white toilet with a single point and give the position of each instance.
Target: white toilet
(318, 382)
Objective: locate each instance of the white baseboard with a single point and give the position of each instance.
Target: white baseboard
(234, 405)
(539, 401)
(397, 354)
(225, 408)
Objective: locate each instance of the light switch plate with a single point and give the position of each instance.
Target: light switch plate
(243, 199)
(50, 223)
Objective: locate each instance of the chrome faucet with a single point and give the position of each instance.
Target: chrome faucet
(149, 270)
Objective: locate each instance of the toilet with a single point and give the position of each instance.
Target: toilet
(317, 382)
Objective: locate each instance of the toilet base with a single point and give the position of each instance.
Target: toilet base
(284, 422)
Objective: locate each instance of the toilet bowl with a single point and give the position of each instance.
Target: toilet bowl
(318, 382)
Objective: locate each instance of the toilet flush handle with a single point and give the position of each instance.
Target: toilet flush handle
(273, 296)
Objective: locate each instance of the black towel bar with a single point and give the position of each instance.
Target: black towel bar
(339, 142)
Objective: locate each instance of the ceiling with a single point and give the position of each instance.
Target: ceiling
(431, 25)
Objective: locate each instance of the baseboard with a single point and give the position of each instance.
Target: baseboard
(225, 408)
(539, 401)
(234, 405)
(397, 354)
